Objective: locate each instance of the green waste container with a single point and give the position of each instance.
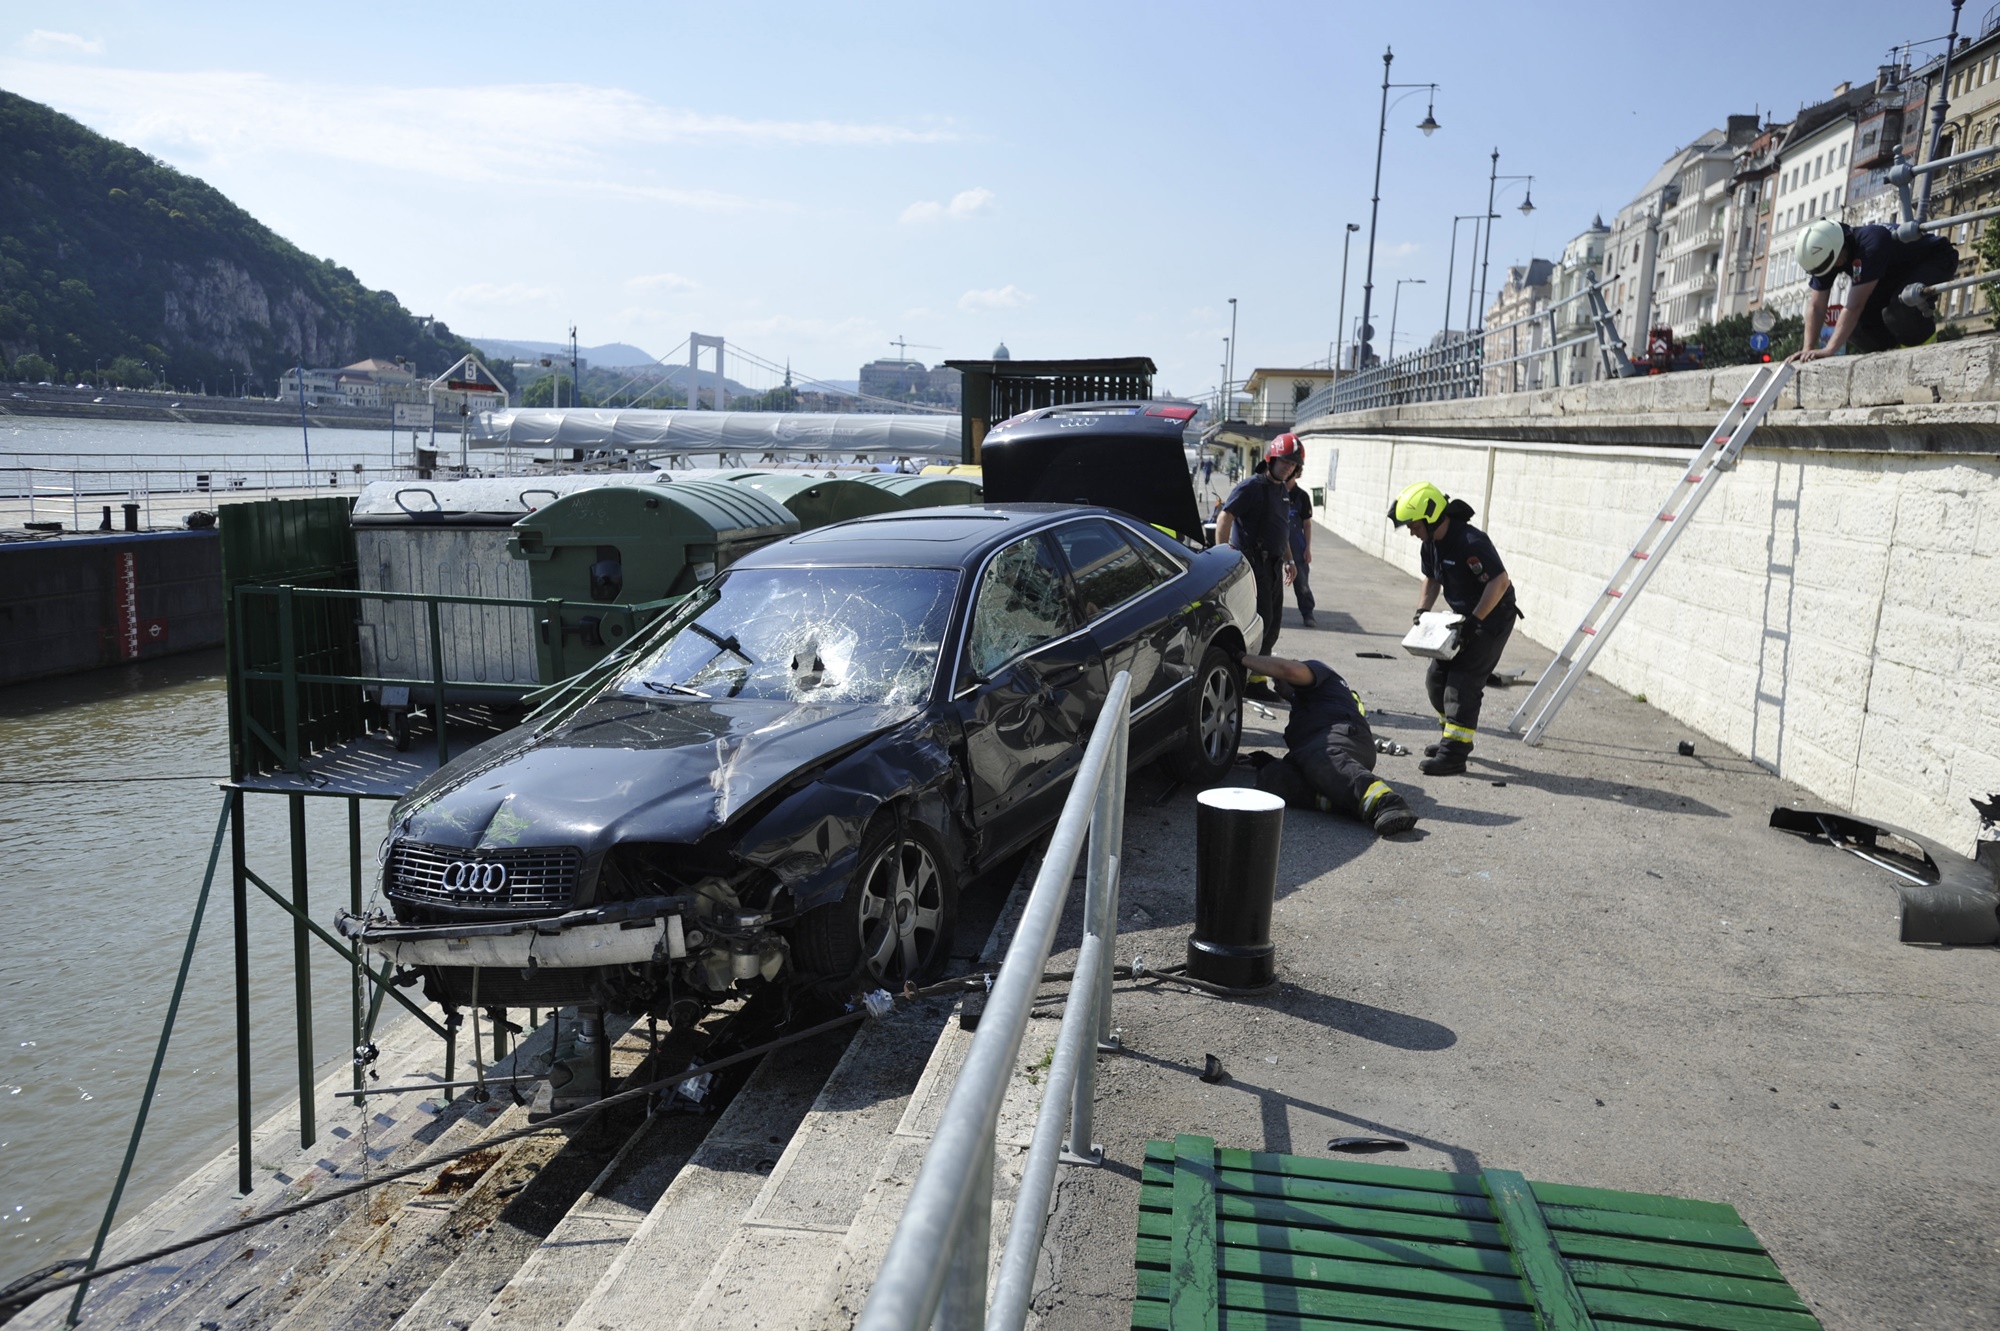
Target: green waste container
(627, 548)
(820, 501)
(927, 491)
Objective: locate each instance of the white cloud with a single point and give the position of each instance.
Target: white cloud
(1402, 250)
(964, 204)
(583, 135)
(488, 294)
(1009, 297)
(43, 42)
(662, 282)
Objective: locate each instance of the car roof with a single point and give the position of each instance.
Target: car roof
(917, 538)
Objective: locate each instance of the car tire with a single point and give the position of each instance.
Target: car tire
(1207, 747)
(895, 923)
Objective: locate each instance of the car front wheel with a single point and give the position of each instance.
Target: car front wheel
(1214, 722)
(894, 925)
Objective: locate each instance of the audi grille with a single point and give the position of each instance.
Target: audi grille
(532, 877)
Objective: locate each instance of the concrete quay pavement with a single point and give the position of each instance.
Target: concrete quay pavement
(1606, 971)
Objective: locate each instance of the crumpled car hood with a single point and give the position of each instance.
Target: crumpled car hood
(624, 769)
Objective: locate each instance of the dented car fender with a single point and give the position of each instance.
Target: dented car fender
(810, 841)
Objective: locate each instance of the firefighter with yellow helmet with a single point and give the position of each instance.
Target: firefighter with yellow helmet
(1459, 561)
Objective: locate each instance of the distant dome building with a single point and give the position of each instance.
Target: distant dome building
(1001, 353)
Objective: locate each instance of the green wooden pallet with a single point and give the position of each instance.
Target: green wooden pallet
(1242, 1240)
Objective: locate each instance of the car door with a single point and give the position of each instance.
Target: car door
(1031, 682)
(1120, 590)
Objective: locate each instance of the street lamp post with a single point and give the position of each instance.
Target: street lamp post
(1396, 307)
(1229, 372)
(1228, 363)
(1493, 180)
(1427, 125)
(1340, 319)
(1451, 264)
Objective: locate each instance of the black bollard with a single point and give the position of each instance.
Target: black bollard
(131, 517)
(106, 524)
(1236, 834)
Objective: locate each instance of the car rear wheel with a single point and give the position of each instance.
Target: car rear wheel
(895, 923)
(1215, 721)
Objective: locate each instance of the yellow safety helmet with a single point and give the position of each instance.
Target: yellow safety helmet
(1420, 502)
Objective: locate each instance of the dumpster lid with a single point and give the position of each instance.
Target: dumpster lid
(495, 501)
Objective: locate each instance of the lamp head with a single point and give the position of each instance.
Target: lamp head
(1429, 124)
(1527, 204)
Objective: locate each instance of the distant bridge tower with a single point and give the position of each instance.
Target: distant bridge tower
(697, 343)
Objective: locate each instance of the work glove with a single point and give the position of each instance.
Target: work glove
(1417, 618)
(1468, 627)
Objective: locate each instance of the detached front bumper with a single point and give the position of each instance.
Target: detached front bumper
(624, 933)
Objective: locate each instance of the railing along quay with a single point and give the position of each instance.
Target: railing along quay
(935, 1270)
(1520, 355)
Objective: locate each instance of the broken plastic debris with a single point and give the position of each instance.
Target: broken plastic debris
(1366, 1145)
(695, 1089)
(1389, 746)
(1686, 748)
(879, 1002)
(1214, 1073)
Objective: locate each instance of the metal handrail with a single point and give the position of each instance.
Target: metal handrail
(288, 747)
(1457, 367)
(937, 1260)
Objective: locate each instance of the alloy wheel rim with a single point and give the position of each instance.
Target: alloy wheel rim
(902, 906)
(1219, 717)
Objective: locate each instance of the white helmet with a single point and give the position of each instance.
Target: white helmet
(1820, 247)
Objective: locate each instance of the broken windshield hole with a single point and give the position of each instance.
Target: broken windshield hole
(839, 635)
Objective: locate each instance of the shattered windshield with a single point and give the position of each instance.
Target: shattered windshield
(831, 635)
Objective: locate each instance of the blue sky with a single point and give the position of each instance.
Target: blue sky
(814, 180)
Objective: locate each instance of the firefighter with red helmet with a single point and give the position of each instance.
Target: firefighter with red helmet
(1257, 520)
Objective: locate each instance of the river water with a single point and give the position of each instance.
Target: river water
(107, 813)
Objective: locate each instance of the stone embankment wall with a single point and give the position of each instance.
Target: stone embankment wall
(1833, 611)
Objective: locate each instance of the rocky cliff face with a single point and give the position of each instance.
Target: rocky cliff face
(109, 256)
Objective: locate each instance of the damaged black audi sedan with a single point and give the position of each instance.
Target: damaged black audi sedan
(794, 775)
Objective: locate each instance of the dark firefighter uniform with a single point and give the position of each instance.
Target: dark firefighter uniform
(1462, 562)
(1263, 532)
(1329, 761)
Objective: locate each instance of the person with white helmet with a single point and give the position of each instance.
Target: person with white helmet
(1878, 267)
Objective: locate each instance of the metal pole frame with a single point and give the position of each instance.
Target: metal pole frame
(934, 1273)
(159, 1060)
(1939, 109)
(1340, 319)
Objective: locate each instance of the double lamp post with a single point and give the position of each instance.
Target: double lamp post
(1366, 354)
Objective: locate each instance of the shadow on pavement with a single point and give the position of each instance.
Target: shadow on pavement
(1275, 1104)
(1624, 792)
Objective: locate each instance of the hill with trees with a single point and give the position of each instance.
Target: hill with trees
(116, 265)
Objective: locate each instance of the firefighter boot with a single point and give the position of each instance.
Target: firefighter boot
(1391, 815)
(1449, 760)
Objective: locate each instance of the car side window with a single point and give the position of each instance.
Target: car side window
(1108, 570)
(1021, 602)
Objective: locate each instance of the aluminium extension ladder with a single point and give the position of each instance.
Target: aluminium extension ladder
(1717, 455)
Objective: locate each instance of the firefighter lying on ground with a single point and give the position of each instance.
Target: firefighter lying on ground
(1329, 761)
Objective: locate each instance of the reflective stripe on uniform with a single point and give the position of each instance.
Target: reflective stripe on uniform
(1452, 730)
(1373, 794)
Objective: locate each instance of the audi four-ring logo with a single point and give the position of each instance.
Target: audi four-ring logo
(481, 876)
